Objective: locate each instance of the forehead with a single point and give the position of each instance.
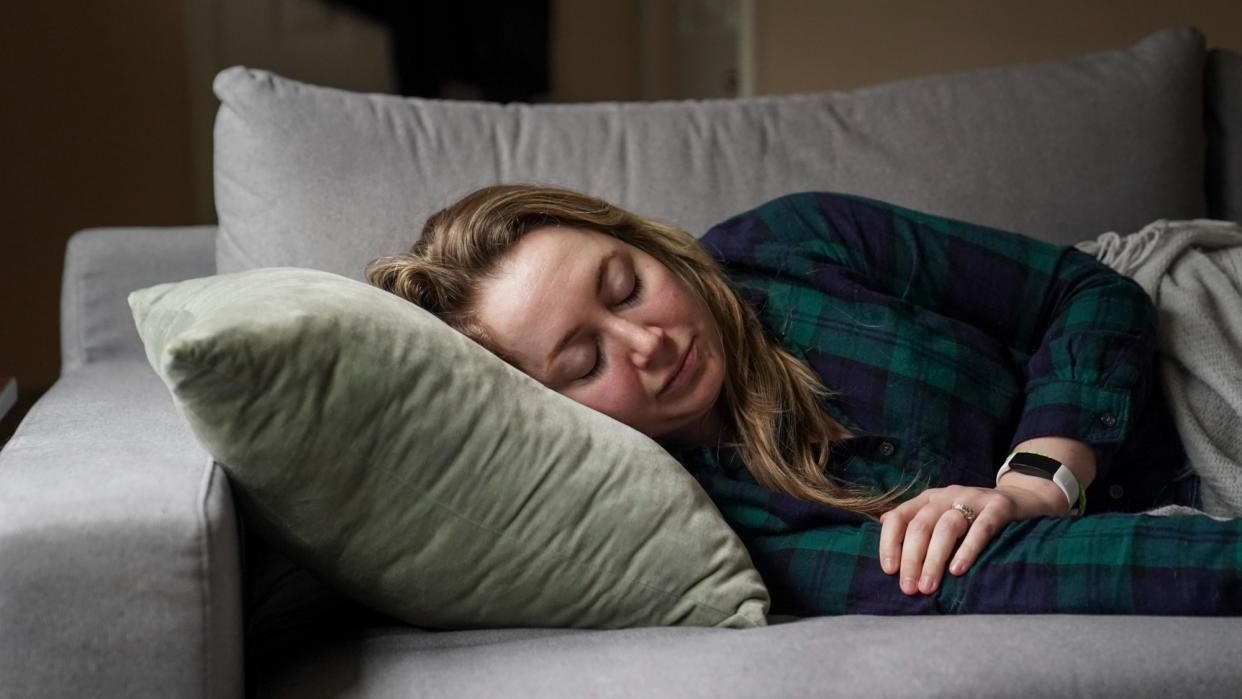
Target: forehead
(539, 286)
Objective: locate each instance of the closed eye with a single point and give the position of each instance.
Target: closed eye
(635, 294)
(628, 301)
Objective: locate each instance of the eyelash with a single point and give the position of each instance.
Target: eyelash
(599, 355)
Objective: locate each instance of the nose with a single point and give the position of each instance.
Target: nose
(643, 341)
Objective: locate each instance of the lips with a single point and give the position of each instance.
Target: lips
(680, 365)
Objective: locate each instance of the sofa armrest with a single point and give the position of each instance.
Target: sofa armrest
(102, 265)
(120, 563)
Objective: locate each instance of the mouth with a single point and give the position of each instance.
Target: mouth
(681, 366)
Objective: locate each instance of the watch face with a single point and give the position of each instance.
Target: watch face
(1034, 464)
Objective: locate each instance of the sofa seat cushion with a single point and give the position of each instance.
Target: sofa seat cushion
(1024, 657)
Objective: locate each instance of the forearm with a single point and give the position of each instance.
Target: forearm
(1078, 457)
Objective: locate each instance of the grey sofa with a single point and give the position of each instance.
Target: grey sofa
(125, 570)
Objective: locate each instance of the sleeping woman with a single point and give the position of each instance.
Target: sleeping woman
(897, 413)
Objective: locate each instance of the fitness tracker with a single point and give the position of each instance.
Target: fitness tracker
(1035, 464)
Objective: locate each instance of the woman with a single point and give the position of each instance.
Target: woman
(952, 347)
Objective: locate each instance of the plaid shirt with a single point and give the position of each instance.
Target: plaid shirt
(950, 343)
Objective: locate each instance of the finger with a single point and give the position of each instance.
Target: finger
(977, 537)
(891, 533)
(949, 528)
(914, 548)
(893, 530)
(998, 513)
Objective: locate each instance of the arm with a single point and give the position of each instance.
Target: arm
(1084, 335)
(817, 560)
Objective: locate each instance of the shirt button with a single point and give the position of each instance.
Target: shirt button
(887, 449)
(1115, 491)
(1108, 419)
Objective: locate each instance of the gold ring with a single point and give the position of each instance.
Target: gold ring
(968, 513)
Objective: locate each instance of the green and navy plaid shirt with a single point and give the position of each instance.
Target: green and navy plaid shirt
(950, 343)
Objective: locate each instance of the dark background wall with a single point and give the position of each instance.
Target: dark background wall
(95, 124)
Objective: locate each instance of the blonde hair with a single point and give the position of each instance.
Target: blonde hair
(783, 436)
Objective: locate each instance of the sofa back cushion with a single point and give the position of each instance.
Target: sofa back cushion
(1062, 150)
(1224, 131)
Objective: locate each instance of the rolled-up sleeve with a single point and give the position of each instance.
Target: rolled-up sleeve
(1089, 376)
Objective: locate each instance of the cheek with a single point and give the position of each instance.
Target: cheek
(672, 307)
(617, 397)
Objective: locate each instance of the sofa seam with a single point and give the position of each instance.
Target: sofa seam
(204, 570)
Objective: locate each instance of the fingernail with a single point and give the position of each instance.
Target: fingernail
(907, 586)
(956, 568)
(888, 564)
(925, 584)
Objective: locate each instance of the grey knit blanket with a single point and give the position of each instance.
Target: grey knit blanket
(1193, 272)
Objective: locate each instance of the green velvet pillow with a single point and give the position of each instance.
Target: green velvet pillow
(421, 475)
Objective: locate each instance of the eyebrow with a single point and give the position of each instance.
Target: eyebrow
(599, 287)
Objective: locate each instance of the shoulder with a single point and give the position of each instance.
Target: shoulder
(797, 218)
(805, 202)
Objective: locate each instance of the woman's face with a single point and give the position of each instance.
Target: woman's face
(611, 327)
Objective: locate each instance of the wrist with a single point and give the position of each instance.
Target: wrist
(1068, 463)
(1078, 457)
(1050, 499)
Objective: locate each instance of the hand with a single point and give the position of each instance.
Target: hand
(919, 534)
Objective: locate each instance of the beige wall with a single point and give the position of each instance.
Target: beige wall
(305, 40)
(810, 45)
(609, 49)
(604, 50)
(595, 53)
